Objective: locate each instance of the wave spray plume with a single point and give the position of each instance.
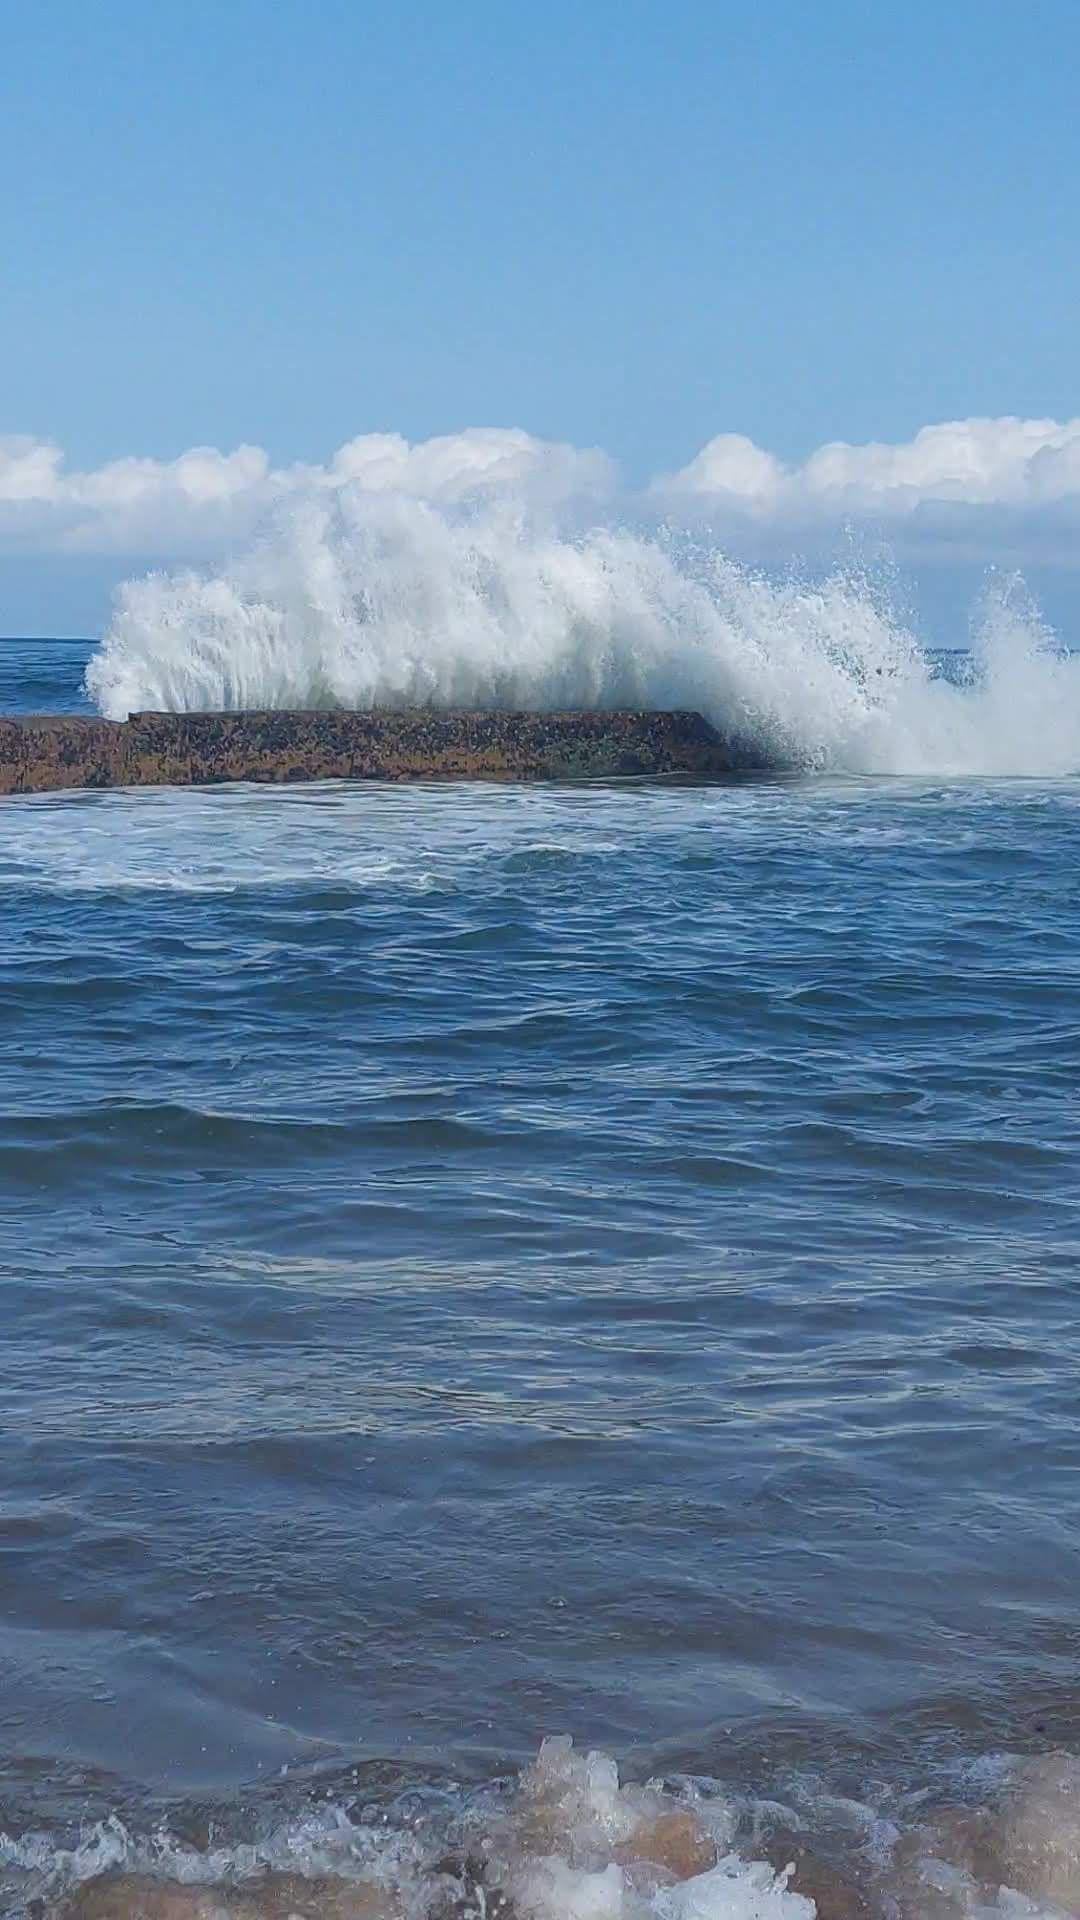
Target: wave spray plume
(356, 599)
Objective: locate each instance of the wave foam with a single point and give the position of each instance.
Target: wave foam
(569, 1842)
(359, 600)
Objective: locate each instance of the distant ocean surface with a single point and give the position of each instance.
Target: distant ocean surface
(481, 1263)
(43, 676)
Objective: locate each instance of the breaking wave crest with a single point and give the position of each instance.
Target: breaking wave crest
(359, 600)
(567, 1841)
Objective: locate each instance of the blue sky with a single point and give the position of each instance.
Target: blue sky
(634, 226)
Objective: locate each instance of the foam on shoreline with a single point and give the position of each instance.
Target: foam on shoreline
(569, 1841)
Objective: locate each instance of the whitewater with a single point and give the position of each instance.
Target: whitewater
(569, 1840)
(359, 599)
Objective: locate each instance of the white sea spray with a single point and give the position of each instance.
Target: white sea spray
(357, 599)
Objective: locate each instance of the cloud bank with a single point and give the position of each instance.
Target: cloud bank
(1006, 489)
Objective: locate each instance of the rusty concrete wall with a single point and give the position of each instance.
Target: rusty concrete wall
(40, 753)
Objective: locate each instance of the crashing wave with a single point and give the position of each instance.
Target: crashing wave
(357, 599)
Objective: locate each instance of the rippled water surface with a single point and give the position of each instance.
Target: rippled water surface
(479, 1262)
(43, 676)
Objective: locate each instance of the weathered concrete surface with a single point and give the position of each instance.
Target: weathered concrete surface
(42, 752)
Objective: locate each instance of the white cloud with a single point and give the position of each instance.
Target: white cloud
(29, 469)
(732, 469)
(1005, 489)
(205, 499)
(484, 459)
(973, 463)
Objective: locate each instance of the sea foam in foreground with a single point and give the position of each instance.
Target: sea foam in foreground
(569, 1842)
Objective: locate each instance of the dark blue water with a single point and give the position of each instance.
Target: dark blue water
(43, 676)
(479, 1262)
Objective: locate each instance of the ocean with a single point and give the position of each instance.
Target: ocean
(491, 1265)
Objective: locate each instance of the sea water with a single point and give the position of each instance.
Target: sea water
(483, 1263)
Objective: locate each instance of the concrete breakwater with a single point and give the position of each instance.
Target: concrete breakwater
(40, 753)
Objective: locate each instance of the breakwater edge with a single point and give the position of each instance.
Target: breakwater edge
(41, 753)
